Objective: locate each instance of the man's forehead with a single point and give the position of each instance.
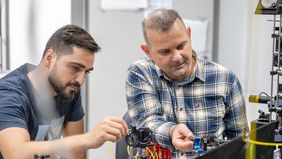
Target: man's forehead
(85, 60)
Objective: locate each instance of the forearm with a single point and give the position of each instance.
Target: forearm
(69, 147)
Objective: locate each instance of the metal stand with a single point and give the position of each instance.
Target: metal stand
(275, 104)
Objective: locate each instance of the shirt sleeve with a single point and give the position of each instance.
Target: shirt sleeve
(235, 119)
(12, 110)
(144, 107)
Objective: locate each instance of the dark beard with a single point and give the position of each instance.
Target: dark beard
(59, 90)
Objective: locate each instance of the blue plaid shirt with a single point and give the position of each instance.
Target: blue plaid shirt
(210, 101)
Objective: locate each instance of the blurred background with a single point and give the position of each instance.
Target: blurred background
(225, 31)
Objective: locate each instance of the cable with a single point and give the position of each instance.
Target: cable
(155, 151)
(255, 142)
(148, 150)
(128, 152)
(261, 142)
(264, 94)
(151, 153)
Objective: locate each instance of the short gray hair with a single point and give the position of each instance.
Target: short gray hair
(162, 19)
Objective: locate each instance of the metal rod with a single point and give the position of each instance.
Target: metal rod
(272, 69)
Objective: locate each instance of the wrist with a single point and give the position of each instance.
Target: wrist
(86, 141)
(171, 130)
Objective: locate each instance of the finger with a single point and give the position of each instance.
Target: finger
(114, 132)
(187, 133)
(183, 128)
(111, 137)
(118, 126)
(186, 146)
(125, 126)
(118, 122)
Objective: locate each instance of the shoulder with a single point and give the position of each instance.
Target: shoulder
(14, 101)
(14, 84)
(216, 69)
(213, 66)
(16, 76)
(142, 64)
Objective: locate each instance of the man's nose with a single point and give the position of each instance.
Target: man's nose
(80, 77)
(176, 56)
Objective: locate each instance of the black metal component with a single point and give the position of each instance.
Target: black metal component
(139, 137)
(273, 9)
(263, 117)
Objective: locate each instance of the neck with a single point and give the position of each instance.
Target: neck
(193, 63)
(39, 81)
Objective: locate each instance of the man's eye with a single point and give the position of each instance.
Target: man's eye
(165, 52)
(75, 68)
(180, 47)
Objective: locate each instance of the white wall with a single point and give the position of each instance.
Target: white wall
(197, 9)
(245, 46)
(233, 38)
(31, 24)
(119, 35)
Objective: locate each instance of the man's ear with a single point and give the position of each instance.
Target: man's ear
(146, 50)
(189, 31)
(49, 57)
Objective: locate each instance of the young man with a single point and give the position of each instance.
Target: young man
(39, 103)
(177, 94)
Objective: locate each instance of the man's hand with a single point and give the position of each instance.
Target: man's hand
(109, 129)
(182, 138)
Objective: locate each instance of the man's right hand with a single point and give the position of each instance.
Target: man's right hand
(109, 129)
(182, 138)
